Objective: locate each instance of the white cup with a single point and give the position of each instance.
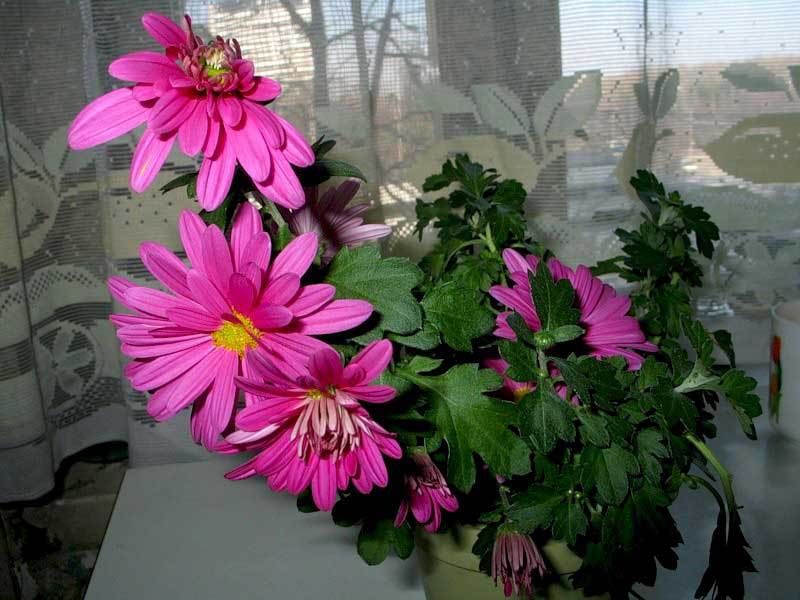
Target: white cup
(784, 369)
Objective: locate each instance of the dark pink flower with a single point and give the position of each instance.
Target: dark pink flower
(610, 331)
(515, 560)
(310, 428)
(426, 494)
(188, 344)
(208, 98)
(336, 223)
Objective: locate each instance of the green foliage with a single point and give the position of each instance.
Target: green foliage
(545, 419)
(384, 282)
(471, 422)
(458, 313)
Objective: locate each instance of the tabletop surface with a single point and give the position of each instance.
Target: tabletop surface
(183, 531)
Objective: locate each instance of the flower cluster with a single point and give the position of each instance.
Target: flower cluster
(356, 379)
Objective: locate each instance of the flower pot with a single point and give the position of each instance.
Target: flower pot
(784, 388)
(450, 570)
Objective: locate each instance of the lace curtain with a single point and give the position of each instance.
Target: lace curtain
(569, 97)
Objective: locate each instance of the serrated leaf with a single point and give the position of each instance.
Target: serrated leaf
(472, 422)
(424, 364)
(426, 338)
(553, 300)
(725, 343)
(738, 388)
(223, 214)
(700, 340)
(569, 521)
(458, 313)
(566, 333)
(521, 360)
(376, 539)
(593, 429)
(649, 451)
(545, 419)
(595, 381)
(533, 509)
(609, 469)
(386, 283)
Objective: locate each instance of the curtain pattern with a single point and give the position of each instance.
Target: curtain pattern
(569, 97)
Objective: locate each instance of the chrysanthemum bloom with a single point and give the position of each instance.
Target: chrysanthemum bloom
(609, 330)
(427, 494)
(208, 97)
(336, 223)
(188, 345)
(310, 427)
(515, 559)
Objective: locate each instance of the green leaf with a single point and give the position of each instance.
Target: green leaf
(426, 338)
(223, 214)
(521, 360)
(566, 333)
(533, 509)
(738, 387)
(305, 503)
(546, 419)
(725, 343)
(472, 422)
(649, 451)
(180, 181)
(609, 468)
(458, 313)
(651, 372)
(705, 231)
(384, 282)
(593, 429)
(424, 364)
(595, 381)
(325, 168)
(322, 146)
(675, 408)
(700, 340)
(553, 299)
(376, 539)
(753, 78)
(569, 521)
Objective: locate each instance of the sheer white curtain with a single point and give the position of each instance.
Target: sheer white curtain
(569, 97)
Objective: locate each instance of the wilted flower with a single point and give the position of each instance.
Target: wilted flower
(515, 560)
(427, 494)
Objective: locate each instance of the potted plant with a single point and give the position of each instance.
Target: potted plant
(519, 420)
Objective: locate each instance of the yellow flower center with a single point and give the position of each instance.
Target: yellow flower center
(237, 336)
(520, 392)
(215, 62)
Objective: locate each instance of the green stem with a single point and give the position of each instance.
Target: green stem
(726, 479)
(459, 247)
(504, 497)
(489, 241)
(272, 210)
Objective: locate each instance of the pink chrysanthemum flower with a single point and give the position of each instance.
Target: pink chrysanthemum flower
(188, 345)
(208, 97)
(311, 429)
(427, 494)
(610, 331)
(336, 223)
(515, 560)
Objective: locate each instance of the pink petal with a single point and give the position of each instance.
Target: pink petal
(281, 289)
(364, 233)
(326, 366)
(336, 316)
(211, 144)
(296, 257)
(282, 186)
(164, 369)
(373, 393)
(374, 359)
(151, 351)
(253, 273)
(267, 317)
(192, 133)
(222, 396)
(251, 149)
(291, 348)
(323, 485)
(241, 292)
(194, 382)
(258, 251)
(515, 261)
(269, 127)
(162, 30)
(311, 298)
(143, 67)
(191, 229)
(264, 90)
(297, 150)
(171, 110)
(246, 225)
(153, 302)
(197, 320)
(217, 262)
(165, 266)
(118, 286)
(207, 294)
(216, 175)
(151, 152)
(105, 118)
(230, 109)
